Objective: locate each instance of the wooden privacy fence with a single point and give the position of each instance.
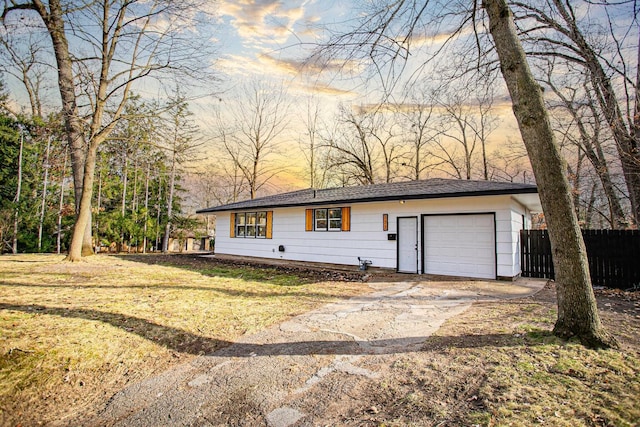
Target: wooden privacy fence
(614, 256)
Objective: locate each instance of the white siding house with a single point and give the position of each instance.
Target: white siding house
(444, 227)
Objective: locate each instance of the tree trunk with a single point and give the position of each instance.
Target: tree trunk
(83, 219)
(16, 218)
(577, 310)
(44, 194)
(98, 205)
(172, 180)
(54, 20)
(146, 209)
(61, 205)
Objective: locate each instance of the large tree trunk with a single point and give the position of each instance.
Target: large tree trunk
(54, 21)
(83, 219)
(577, 310)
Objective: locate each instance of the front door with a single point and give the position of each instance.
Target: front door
(408, 245)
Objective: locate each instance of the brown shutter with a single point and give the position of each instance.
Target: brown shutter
(308, 225)
(269, 224)
(232, 221)
(346, 219)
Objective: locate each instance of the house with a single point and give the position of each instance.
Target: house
(435, 226)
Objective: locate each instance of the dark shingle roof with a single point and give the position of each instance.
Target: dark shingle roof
(426, 189)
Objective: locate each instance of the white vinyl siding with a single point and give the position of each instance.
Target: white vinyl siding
(367, 238)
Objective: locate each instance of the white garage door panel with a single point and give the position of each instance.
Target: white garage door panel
(460, 245)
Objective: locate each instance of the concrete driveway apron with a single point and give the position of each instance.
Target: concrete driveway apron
(282, 376)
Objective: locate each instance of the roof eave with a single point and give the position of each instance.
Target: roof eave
(375, 199)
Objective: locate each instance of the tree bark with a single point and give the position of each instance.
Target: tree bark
(172, 183)
(577, 310)
(83, 219)
(16, 220)
(54, 20)
(44, 194)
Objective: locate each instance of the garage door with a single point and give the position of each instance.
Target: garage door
(460, 245)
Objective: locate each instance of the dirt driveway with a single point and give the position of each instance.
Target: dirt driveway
(300, 372)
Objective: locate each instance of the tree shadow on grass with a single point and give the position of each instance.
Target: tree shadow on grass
(214, 289)
(187, 342)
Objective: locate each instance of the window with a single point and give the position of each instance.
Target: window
(252, 224)
(240, 225)
(321, 219)
(328, 219)
(261, 224)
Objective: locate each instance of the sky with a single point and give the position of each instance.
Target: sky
(270, 38)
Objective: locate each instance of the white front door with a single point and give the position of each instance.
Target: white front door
(408, 245)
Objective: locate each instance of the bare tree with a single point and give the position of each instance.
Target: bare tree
(510, 163)
(353, 151)
(25, 62)
(467, 121)
(316, 154)
(364, 142)
(418, 116)
(385, 35)
(577, 310)
(251, 132)
(554, 29)
(584, 129)
(118, 43)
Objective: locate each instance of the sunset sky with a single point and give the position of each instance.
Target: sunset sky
(267, 39)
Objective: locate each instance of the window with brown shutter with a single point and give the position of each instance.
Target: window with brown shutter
(328, 219)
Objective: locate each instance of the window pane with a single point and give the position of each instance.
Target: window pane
(262, 218)
(240, 221)
(261, 230)
(251, 224)
(335, 219)
(321, 219)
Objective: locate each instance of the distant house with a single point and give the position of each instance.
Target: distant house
(435, 226)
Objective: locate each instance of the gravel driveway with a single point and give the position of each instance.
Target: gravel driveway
(290, 373)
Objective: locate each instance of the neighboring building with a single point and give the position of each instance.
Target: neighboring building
(190, 243)
(435, 226)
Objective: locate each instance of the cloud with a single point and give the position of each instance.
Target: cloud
(326, 89)
(262, 21)
(312, 65)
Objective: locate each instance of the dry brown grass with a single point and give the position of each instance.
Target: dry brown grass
(498, 364)
(73, 334)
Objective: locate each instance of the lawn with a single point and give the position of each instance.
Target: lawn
(498, 364)
(73, 334)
